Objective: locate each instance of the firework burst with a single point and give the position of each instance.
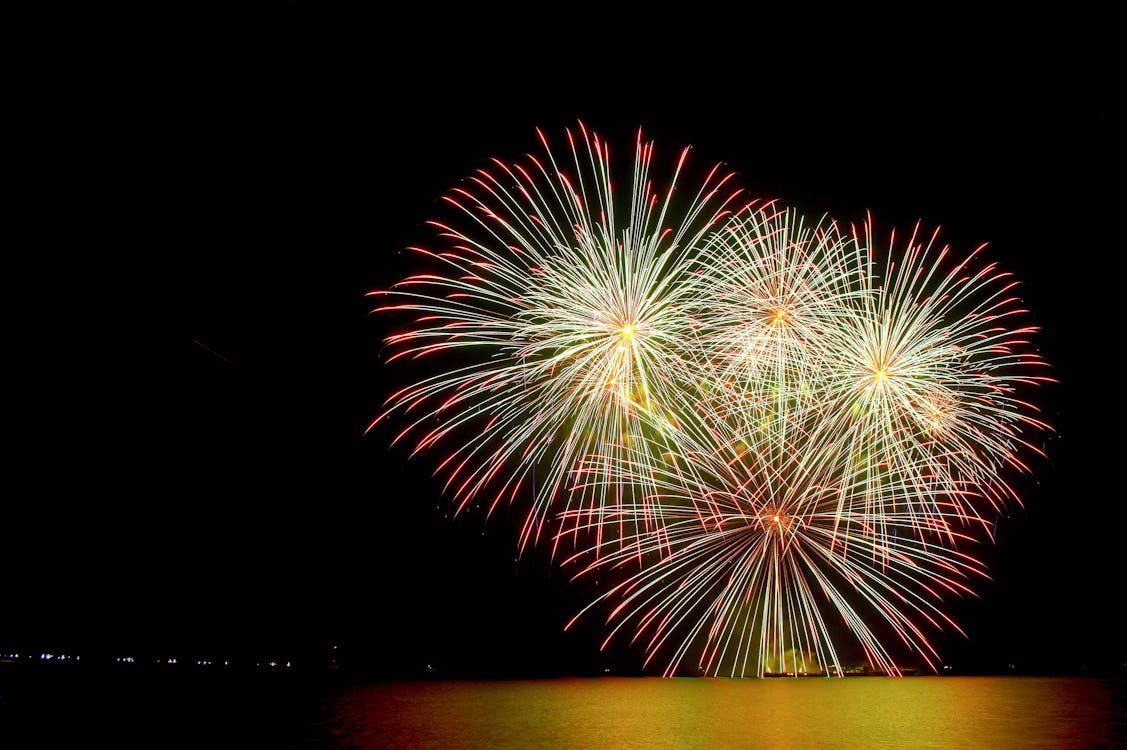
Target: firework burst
(557, 309)
(930, 384)
(769, 290)
(756, 569)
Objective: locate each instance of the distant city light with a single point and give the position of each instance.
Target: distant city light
(52, 657)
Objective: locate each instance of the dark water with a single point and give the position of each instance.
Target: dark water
(914, 712)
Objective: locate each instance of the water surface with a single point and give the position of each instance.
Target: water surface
(917, 712)
(95, 709)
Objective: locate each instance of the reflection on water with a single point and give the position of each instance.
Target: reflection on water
(918, 712)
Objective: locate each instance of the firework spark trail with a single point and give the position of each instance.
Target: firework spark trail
(563, 325)
(767, 574)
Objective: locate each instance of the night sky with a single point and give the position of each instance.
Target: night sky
(192, 362)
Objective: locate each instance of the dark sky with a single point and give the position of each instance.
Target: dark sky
(192, 362)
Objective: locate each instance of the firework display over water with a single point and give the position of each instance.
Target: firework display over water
(780, 362)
